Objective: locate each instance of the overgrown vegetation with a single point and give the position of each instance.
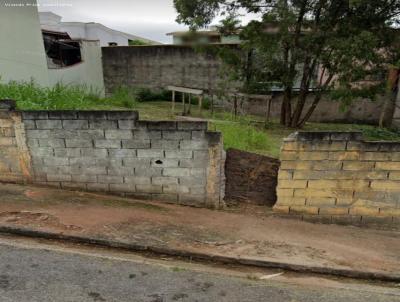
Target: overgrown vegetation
(307, 48)
(30, 95)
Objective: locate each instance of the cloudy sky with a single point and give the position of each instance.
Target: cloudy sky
(151, 19)
(148, 18)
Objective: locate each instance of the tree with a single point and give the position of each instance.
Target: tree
(304, 46)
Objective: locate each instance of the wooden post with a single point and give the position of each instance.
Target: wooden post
(184, 105)
(268, 111)
(200, 103)
(190, 104)
(173, 102)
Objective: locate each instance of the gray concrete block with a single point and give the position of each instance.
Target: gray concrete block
(193, 145)
(167, 125)
(199, 190)
(164, 180)
(63, 115)
(89, 170)
(42, 152)
(193, 163)
(78, 143)
(192, 200)
(96, 187)
(37, 133)
(178, 154)
(148, 189)
(123, 115)
(165, 144)
(74, 186)
(67, 152)
(109, 162)
(198, 135)
(98, 153)
(103, 124)
(75, 124)
(176, 172)
(193, 181)
(201, 155)
(146, 134)
(122, 188)
(165, 163)
(118, 134)
(136, 144)
(170, 198)
(82, 161)
(176, 189)
(51, 177)
(149, 153)
(90, 134)
(121, 171)
(109, 179)
(137, 180)
(107, 143)
(83, 178)
(62, 133)
(198, 172)
(126, 124)
(54, 170)
(189, 125)
(56, 161)
(136, 162)
(48, 124)
(29, 124)
(92, 115)
(176, 135)
(151, 172)
(54, 143)
(35, 115)
(122, 153)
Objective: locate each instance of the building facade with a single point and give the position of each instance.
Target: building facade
(90, 31)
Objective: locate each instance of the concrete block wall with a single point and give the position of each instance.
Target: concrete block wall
(114, 152)
(337, 177)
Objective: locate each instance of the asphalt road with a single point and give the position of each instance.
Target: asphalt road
(42, 274)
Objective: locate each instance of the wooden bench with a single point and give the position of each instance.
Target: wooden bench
(184, 91)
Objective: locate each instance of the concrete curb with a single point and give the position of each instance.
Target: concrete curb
(23, 232)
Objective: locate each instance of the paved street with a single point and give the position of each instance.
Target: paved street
(42, 273)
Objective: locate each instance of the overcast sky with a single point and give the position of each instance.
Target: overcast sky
(147, 18)
(150, 19)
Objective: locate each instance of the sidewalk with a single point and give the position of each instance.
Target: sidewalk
(249, 233)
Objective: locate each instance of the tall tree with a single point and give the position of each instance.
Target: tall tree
(305, 46)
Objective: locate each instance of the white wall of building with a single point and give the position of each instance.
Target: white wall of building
(22, 54)
(88, 31)
(88, 73)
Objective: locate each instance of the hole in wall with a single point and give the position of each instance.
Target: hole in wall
(159, 162)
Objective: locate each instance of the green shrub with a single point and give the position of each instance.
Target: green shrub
(148, 95)
(123, 97)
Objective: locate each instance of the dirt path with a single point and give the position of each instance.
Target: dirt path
(250, 232)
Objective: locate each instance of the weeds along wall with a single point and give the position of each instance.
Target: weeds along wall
(113, 152)
(338, 177)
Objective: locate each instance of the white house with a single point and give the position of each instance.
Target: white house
(22, 55)
(29, 53)
(89, 31)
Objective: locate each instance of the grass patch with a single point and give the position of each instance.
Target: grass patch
(30, 96)
(242, 136)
